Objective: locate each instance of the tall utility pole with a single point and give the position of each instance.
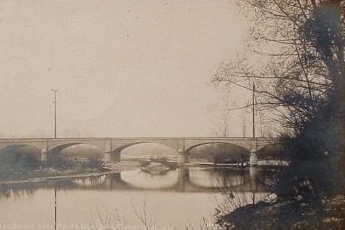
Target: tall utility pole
(55, 208)
(55, 93)
(253, 110)
(243, 125)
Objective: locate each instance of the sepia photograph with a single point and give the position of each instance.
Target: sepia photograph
(172, 115)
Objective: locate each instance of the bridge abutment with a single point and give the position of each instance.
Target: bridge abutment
(43, 155)
(108, 150)
(183, 158)
(253, 160)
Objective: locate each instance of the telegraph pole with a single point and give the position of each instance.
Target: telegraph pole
(55, 93)
(253, 110)
(55, 206)
(244, 126)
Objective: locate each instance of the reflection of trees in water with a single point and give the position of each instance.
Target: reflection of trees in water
(257, 179)
(220, 178)
(93, 182)
(29, 188)
(22, 189)
(257, 184)
(265, 179)
(227, 177)
(216, 179)
(7, 191)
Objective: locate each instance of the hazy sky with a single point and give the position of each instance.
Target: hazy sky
(121, 68)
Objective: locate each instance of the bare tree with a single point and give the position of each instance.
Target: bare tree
(295, 58)
(110, 221)
(300, 45)
(147, 221)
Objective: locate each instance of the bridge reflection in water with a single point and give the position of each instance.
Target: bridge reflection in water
(184, 179)
(187, 179)
(196, 190)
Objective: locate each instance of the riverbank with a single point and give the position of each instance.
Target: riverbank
(288, 215)
(73, 175)
(44, 174)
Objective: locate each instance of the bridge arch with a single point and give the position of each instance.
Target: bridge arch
(54, 154)
(271, 151)
(208, 143)
(116, 153)
(229, 152)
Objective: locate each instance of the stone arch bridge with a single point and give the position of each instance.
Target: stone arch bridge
(112, 147)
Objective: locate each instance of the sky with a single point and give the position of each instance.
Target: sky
(122, 68)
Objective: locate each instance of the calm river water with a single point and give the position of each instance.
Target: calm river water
(179, 199)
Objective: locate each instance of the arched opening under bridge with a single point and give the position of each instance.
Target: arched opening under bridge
(76, 155)
(271, 152)
(145, 151)
(217, 153)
